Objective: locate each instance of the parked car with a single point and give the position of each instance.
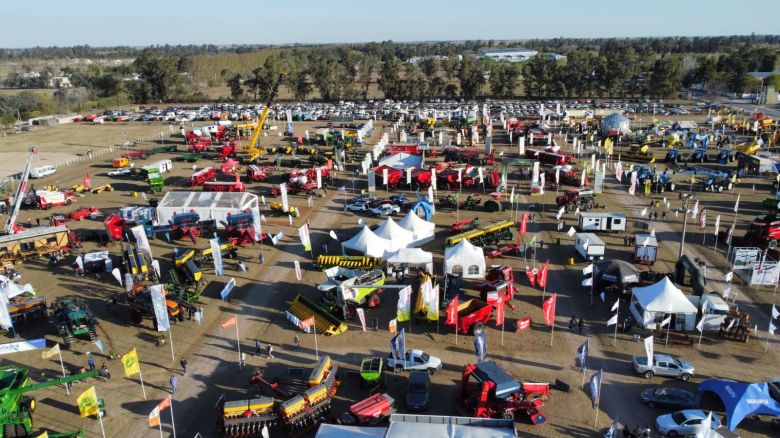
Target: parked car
(386, 210)
(414, 360)
(360, 206)
(418, 391)
(402, 201)
(120, 172)
(360, 199)
(684, 423)
(663, 365)
(672, 398)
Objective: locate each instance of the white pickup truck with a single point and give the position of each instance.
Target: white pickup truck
(415, 360)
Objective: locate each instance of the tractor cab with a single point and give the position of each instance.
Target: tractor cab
(80, 322)
(504, 385)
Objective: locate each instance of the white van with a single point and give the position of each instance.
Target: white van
(589, 246)
(40, 172)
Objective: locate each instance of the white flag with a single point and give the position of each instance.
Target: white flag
(560, 213)
(649, 350)
(588, 281)
(729, 275)
(118, 275)
(612, 321)
(717, 224)
(706, 426)
(652, 232)
(666, 321)
(216, 256)
(726, 293)
(577, 212)
(603, 297)
(160, 308)
(588, 269)
(644, 212)
(333, 235)
(362, 316)
(571, 231)
(736, 204)
(616, 305)
(700, 325)
(775, 312)
(772, 328)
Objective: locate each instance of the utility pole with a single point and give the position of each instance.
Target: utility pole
(685, 227)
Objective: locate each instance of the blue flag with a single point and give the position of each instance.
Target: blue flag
(582, 354)
(398, 345)
(480, 345)
(595, 388)
(612, 431)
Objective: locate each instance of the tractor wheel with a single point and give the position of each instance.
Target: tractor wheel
(492, 206)
(720, 189)
(20, 430)
(508, 416)
(661, 188)
(672, 186)
(730, 186)
(772, 244)
(589, 206)
(30, 403)
(373, 301)
(570, 207)
(9, 430)
(68, 201)
(135, 316)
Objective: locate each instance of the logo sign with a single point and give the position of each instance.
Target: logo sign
(16, 347)
(523, 323)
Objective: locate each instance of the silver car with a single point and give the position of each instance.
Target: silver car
(663, 365)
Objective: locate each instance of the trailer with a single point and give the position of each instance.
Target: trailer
(472, 312)
(645, 248)
(372, 411)
(611, 222)
(202, 176)
(589, 246)
(225, 186)
(256, 173)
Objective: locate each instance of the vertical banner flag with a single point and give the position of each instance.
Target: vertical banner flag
(649, 350)
(717, 224)
(362, 316)
(87, 402)
(408, 175)
(53, 351)
(303, 233)
(141, 240)
(582, 354)
(541, 278)
(632, 188)
(283, 190)
(480, 345)
(216, 255)
(433, 304)
(398, 345)
(548, 308)
(619, 171)
(403, 310)
(736, 204)
(5, 317)
(452, 312)
(87, 181)
(130, 363)
(227, 289)
(319, 177)
(703, 218)
(384, 176)
(160, 309)
(595, 388)
(257, 224)
(154, 416)
(500, 304)
(433, 179)
(298, 274)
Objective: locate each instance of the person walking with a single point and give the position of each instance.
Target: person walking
(173, 383)
(580, 324)
(91, 363)
(104, 370)
(296, 343)
(270, 351)
(663, 215)
(183, 363)
(242, 360)
(572, 321)
(258, 348)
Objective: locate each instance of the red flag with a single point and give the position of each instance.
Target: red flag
(306, 323)
(548, 308)
(229, 323)
(541, 278)
(531, 274)
(86, 181)
(500, 312)
(523, 323)
(452, 312)
(523, 224)
(154, 416)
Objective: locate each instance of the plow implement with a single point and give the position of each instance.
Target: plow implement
(325, 323)
(328, 261)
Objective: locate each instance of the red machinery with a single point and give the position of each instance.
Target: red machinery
(421, 178)
(135, 155)
(114, 226)
(226, 150)
(224, 186)
(229, 167)
(472, 311)
(549, 158)
(405, 148)
(494, 393)
(512, 248)
(468, 156)
(570, 177)
(47, 199)
(241, 228)
(256, 173)
(499, 284)
(370, 412)
(190, 225)
(201, 145)
(203, 175)
(393, 176)
(463, 226)
(84, 212)
(448, 178)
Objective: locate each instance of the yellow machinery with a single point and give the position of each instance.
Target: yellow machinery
(486, 235)
(79, 188)
(749, 148)
(103, 188)
(252, 147)
(352, 262)
(326, 324)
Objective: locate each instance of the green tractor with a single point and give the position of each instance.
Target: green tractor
(73, 319)
(16, 407)
(156, 181)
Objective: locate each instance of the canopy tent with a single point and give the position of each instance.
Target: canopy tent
(409, 258)
(615, 122)
(366, 243)
(422, 230)
(398, 236)
(615, 273)
(208, 205)
(340, 431)
(464, 258)
(9, 289)
(742, 399)
(652, 304)
(401, 161)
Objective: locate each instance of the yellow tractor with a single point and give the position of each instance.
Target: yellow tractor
(103, 188)
(79, 188)
(639, 153)
(749, 148)
(277, 209)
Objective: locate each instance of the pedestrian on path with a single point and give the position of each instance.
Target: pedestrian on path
(242, 361)
(270, 351)
(572, 321)
(258, 348)
(663, 215)
(183, 363)
(173, 383)
(91, 363)
(296, 343)
(580, 324)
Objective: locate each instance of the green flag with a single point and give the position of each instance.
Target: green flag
(533, 240)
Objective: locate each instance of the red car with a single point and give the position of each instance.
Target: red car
(84, 212)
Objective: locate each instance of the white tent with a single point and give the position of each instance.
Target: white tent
(401, 161)
(423, 230)
(465, 258)
(652, 304)
(367, 243)
(616, 121)
(208, 205)
(409, 257)
(398, 236)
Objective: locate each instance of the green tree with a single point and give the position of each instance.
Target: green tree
(236, 91)
(299, 84)
(366, 69)
(665, 76)
(537, 74)
(503, 79)
(107, 85)
(471, 76)
(390, 77)
(159, 76)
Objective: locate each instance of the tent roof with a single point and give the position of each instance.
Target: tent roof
(663, 296)
(742, 399)
(401, 160)
(408, 255)
(416, 224)
(339, 431)
(398, 236)
(465, 254)
(615, 117)
(618, 272)
(368, 243)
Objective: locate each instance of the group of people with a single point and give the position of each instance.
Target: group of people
(575, 322)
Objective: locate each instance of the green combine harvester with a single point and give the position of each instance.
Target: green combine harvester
(73, 320)
(16, 407)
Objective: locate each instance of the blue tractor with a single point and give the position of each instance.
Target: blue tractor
(725, 156)
(673, 155)
(718, 182)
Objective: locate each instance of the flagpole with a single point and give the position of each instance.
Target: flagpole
(238, 341)
(552, 327)
(159, 423)
(617, 318)
(583, 377)
(143, 389)
(701, 335)
(173, 423)
(170, 334)
(596, 421)
(67, 391)
(668, 326)
(316, 347)
(100, 419)
(502, 332)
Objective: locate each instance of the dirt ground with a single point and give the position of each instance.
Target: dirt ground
(261, 295)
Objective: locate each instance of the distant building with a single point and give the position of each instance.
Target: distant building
(419, 59)
(59, 82)
(511, 55)
(31, 75)
(555, 57)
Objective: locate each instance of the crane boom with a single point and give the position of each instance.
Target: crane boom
(264, 114)
(20, 191)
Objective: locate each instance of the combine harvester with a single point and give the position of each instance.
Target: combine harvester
(489, 234)
(347, 289)
(295, 416)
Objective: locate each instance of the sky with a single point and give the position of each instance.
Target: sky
(145, 22)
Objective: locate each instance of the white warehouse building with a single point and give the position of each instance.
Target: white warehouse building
(511, 55)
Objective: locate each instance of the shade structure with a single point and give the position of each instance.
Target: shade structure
(366, 243)
(615, 122)
(401, 161)
(465, 258)
(742, 399)
(409, 257)
(616, 273)
(398, 236)
(208, 205)
(651, 304)
(422, 230)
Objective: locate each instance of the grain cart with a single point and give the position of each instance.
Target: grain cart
(471, 312)
(488, 391)
(371, 374)
(489, 234)
(17, 407)
(73, 319)
(372, 411)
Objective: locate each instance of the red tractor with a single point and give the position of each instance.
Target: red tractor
(764, 231)
(499, 285)
(202, 176)
(488, 391)
(447, 179)
(570, 177)
(549, 158)
(577, 198)
(256, 173)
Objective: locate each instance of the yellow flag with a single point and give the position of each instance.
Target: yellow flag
(54, 351)
(87, 402)
(45, 434)
(130, 363)
(693, 179)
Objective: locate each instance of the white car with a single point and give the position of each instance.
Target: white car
(358, 206)
(386, 210)
(684, 423)
(120, 171)
(415, 360)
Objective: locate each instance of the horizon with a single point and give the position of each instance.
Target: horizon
(310, 22)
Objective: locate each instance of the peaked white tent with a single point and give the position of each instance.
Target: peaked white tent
(423, 230)
(401, 161)
(398, 236)
(650, 305)
(367, 243)
(465, 258)
(409, 258)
